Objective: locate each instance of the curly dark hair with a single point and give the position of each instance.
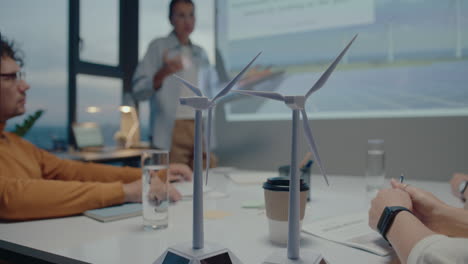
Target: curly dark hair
(174, 2)
(8, 50)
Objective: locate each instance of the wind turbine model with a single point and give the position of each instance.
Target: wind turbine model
(297, 103)
(197, 252)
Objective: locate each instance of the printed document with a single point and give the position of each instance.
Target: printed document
(352, 230)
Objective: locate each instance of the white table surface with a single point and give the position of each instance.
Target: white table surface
(244, 231)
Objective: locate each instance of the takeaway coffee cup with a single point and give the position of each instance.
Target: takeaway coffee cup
(276, 192)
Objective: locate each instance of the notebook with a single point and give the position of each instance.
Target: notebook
(117, 212)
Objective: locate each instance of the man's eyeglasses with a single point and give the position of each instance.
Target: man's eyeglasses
(16, 76)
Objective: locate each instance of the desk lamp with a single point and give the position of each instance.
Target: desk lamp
(129, 122)
(297, 104)
(199, 251)
(129, 125)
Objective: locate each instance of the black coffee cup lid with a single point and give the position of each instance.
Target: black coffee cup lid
(282, 184)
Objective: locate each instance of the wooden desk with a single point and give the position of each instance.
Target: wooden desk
(126, 156)
(244, 231)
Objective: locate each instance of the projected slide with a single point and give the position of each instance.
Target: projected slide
(410, 58)
(283, 17)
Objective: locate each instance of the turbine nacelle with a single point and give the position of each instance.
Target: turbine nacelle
(197, 102)
(295, 101)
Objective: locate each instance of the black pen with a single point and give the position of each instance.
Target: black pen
(402, 178)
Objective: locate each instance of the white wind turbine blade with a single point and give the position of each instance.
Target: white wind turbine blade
(228, 87)
(207, 142)
(323, 79)
(190, 86)
(313, 146)
(270, 95)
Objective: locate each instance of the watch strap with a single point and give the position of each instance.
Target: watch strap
(462, 188)
(388, 216)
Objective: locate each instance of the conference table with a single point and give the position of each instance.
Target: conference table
(243, 230)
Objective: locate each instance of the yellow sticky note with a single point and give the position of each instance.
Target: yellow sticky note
(215, 214)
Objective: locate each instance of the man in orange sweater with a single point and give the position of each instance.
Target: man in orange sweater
(36, 184)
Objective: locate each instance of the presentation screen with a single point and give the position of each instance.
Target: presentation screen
(410, 58)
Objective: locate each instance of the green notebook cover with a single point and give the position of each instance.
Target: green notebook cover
(117, 212)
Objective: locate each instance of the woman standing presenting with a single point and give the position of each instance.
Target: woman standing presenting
(171, 124)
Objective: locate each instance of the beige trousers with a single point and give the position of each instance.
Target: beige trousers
(182, 144)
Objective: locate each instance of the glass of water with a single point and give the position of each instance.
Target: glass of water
(375, 169)
(155, 195)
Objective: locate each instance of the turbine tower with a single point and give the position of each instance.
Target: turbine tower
(198, 251)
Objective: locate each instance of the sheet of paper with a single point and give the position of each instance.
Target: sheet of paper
(253, 204)
(307, 257)
(186, 188)
(351, 230)
(251, 177)
(215, 214)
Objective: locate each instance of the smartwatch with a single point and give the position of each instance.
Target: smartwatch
(462, 188)
(387, 217)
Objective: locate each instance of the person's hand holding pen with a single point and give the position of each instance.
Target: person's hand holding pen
(455, 182)
(427, 207)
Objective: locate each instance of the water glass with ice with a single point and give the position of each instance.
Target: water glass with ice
(155, 195)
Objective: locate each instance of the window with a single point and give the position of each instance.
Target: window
(104, 63)
(45, 53)
(99, 28)
(98, 101)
